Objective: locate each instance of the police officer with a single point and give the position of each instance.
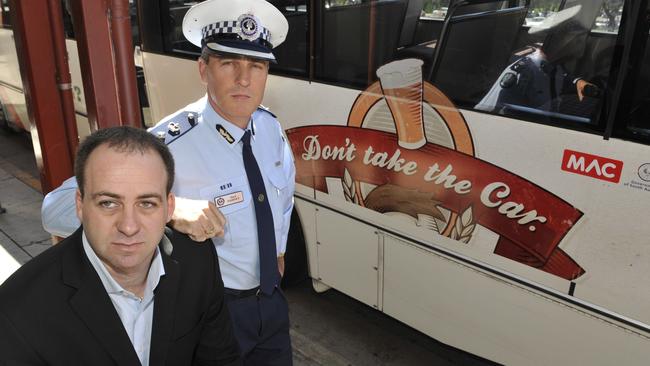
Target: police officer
(235, 172)
(538, 79)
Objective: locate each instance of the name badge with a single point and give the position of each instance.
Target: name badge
(229, 199)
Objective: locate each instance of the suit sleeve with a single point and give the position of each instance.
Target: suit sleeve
(14, 350)
(58, 212)
(218, 345)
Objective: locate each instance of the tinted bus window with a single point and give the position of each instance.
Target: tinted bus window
(608, 20)
(5, 14)
(68, 26)
(634, 108)
(356, 38)
(560, 75)
(291, 56)
(435, 9)
(639, 112)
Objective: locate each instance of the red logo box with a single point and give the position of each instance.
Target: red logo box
(592, 166)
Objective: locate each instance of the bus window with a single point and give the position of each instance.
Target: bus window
(540, 10)
(5, 14)
(639, 113)
(172, 26)
(68, 26)
(456, 60)
(357, 38)
(634, 108)
(608, 20)
(291, 56)
(558, 77)
(435, 9)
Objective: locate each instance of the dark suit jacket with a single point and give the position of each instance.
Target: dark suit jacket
(54, 310)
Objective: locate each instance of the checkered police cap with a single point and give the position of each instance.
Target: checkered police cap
(250, 28)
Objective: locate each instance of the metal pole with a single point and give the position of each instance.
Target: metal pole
(38, 69)
(129, 102)
(93, 34)
(63, 75)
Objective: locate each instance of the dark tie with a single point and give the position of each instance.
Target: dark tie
(269, 273)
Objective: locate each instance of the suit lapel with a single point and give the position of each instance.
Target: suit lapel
(93, 306)
(164, 310)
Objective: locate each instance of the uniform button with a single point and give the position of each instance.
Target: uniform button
(260, 198)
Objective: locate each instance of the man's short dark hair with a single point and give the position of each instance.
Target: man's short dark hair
(122, 139)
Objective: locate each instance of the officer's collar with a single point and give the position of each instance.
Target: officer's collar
(227, 130)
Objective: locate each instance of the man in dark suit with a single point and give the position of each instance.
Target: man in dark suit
(120, 290)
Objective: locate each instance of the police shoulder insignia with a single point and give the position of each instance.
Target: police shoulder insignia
(173, 128)
(170, 129)
(225, 134)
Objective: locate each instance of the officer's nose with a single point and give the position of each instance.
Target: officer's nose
(244, 75)
(128, 223)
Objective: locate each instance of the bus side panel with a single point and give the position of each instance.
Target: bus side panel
(608, 241)
(12, 96)
(465, 307)
(345, 247)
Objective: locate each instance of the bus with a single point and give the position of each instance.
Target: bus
(478, 170)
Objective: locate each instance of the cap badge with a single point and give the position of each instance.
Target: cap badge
(249, 28)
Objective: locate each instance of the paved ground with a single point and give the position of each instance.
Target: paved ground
(21, 233)
(328, 329)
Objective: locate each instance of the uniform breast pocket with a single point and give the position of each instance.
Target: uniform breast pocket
(279, 197)
(232, 197)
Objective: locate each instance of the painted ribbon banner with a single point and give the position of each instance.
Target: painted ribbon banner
(531, 221)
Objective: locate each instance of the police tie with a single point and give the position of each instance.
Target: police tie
(269, 273)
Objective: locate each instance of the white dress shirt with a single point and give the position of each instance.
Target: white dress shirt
(136, 313)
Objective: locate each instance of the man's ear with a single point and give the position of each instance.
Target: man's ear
(171, 205)
(203, 70)
(79, 204)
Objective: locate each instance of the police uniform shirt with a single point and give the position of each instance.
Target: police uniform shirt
(530, 81)
(209, 166)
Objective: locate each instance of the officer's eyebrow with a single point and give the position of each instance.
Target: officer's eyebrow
(240, 57)
(119, 197)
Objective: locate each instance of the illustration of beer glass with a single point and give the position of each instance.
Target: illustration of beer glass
(401, 82)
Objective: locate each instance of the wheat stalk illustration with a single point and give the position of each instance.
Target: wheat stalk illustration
(349, 188)
(464, 227)
(427, 222)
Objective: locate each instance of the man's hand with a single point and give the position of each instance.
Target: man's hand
(199, 219)
(585, 88)
(281, 265)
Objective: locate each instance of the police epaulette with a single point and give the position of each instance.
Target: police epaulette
(265, 109)
(175, 127)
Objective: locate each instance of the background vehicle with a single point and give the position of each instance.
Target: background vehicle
(13, 109)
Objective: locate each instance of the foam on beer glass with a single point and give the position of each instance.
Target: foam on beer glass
(401, 82)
